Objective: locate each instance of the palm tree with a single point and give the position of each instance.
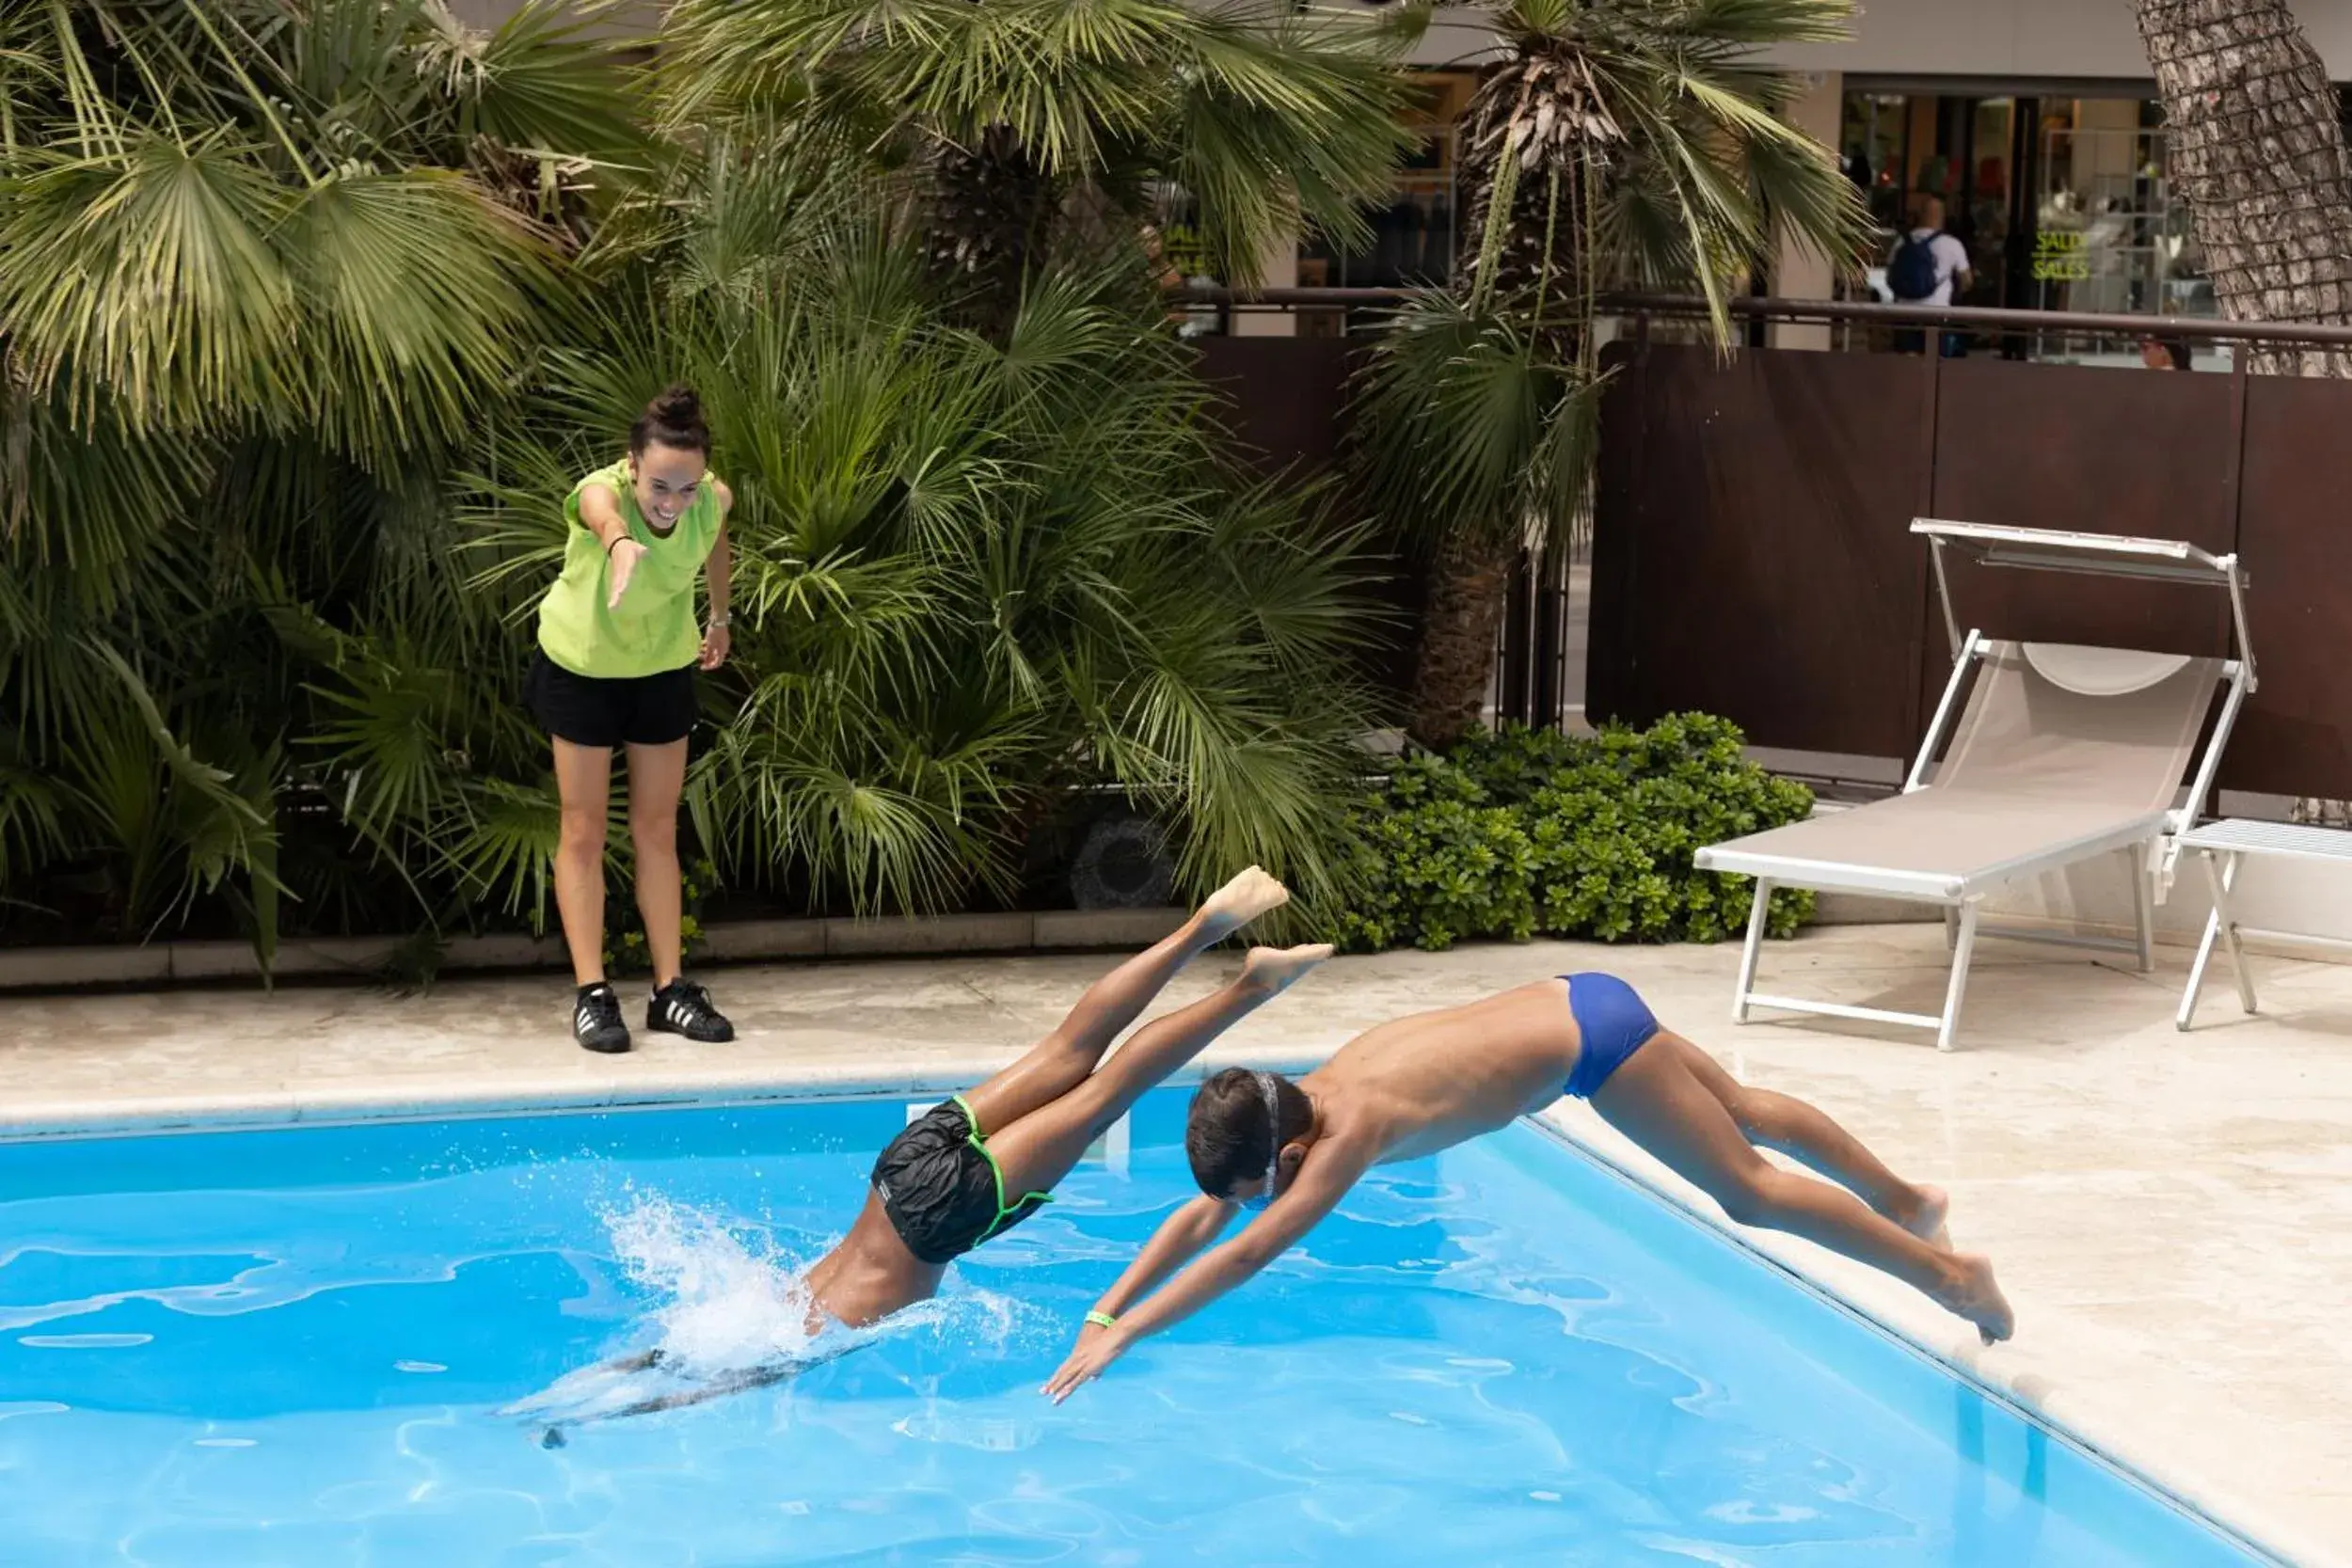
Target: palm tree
(266, 268)
(972, 576)
(1618, 142)
(1031, 127)
(2255, 145)
(2251, 120)
(252, 654)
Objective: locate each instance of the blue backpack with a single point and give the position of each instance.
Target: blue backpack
(1913, 275)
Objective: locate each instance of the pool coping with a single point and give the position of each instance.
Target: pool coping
(761, 940)
(1926, 1330)
(433, 1099)
(1911, 1321)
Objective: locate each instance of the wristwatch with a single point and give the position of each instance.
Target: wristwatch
(718, 621)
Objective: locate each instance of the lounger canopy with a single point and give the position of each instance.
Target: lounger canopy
(2060, 754)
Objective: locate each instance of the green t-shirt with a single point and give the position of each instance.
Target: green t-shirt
(653, 628)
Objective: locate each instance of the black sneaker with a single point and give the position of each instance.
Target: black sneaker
(596, 1020)
(683, 1008)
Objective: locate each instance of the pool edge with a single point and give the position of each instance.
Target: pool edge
(2215, 1508)
(436, 1099)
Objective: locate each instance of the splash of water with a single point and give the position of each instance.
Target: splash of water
(732, 1313)
(727, 1300)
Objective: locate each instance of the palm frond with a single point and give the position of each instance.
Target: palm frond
(1632, 144)
(1267, 117)
(540, 80)
(31, 815)
(151, 274)
(416, 288)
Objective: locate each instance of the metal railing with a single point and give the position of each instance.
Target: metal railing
(1998, 330)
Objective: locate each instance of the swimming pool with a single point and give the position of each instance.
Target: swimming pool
(291, 1347)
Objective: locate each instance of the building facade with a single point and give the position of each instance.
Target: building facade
(2033, 120)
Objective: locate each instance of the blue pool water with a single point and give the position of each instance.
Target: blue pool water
(292, 1347)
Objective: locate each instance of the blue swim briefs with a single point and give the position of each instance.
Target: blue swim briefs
(1611, 1023)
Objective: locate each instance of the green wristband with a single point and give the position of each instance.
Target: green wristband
(1102, 1320)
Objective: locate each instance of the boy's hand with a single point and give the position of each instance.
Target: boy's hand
(1097, 1348)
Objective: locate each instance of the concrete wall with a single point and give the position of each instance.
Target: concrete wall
(1799, 273)
(1276, 269)
(1940, 38)
(2026, 38)
(1455, 38)
(2308, 897)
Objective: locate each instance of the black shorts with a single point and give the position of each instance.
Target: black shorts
(941, 1189)
(595, 710)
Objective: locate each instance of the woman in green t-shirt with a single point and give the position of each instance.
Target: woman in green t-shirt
(618, 648)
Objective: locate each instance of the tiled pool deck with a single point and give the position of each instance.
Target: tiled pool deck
(2171, 1213)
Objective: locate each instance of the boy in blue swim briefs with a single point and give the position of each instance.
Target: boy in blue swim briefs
(1410, 1087)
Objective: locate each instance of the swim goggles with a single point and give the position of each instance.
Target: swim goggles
(1274, 1142)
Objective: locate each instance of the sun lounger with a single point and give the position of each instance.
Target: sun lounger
(2060, 754)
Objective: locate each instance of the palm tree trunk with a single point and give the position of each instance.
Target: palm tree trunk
(2258, 152)
(1529, 258)
(991, 206)
(1457, 641)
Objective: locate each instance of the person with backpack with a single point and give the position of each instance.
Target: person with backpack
(1928, 267)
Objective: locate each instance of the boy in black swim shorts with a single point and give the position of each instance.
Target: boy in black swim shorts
(981, 1163)
(978, 1164)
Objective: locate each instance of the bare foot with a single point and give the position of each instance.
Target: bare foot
(1241, 901)
(1277, 968)
(1927, 1221)
(1971, 1292)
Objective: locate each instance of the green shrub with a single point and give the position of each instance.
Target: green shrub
(626, 952)
(1529, 832)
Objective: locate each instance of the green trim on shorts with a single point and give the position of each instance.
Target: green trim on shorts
(1004, 1210)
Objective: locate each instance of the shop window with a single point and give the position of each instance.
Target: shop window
(2111, 233)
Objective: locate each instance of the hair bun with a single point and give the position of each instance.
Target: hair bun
(673, 419)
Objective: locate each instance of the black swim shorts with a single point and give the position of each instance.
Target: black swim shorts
(943, 1189)
(595, 710)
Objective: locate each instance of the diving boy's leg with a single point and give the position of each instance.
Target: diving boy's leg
(1063, 1059)
(1805, 1132)
(721, 1386)
(1658, 1100)
(1040, 1149)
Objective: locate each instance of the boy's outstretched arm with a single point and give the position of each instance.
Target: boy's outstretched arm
(1323, 1179)
(1192, 1227)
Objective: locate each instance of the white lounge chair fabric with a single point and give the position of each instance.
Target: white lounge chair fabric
(2062, 754)
(2035, 771)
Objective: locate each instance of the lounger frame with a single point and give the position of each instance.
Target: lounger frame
(2222, 848)
(2145, 838)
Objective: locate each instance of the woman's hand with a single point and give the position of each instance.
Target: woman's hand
(716, 643)
(1097, 1348)
(623, 557)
